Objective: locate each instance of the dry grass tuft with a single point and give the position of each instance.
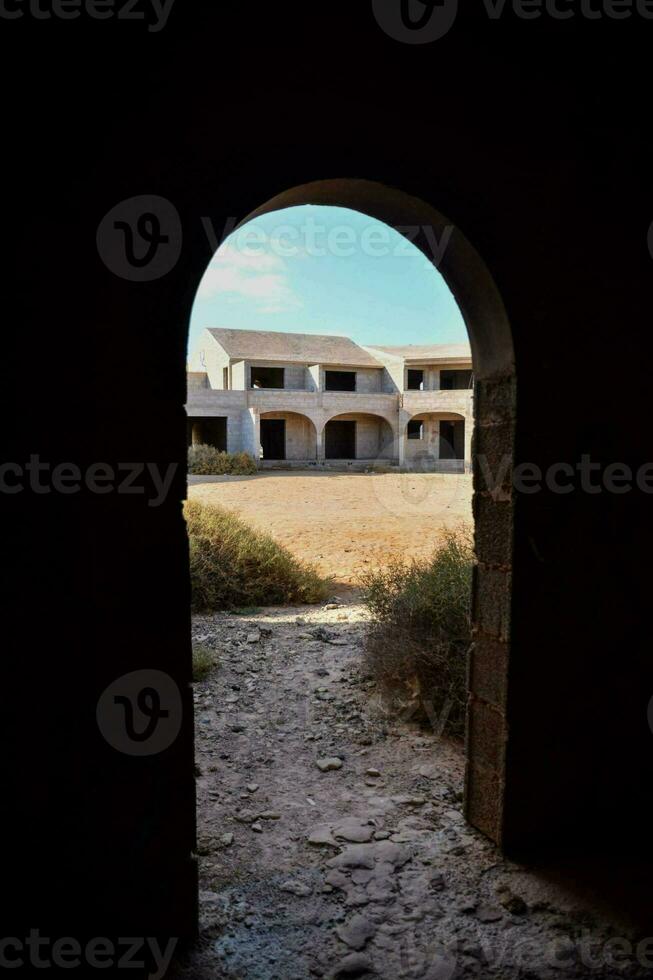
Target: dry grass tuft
(234, 566)
(418, 642)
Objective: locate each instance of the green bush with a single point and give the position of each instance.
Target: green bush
(203, 661)
(209, 461)
(420, 632)
(234, 566)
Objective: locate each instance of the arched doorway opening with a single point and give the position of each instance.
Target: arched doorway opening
(359, 436)
(286, 437)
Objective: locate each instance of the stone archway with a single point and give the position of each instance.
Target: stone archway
(493, 441)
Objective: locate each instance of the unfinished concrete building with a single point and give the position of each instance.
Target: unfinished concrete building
(294, 399)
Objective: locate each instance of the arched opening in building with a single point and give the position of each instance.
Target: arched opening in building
(286, 437)
(360, 436)
(494, 379)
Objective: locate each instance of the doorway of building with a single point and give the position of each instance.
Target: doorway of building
(452, 440)
(273, 438)
(340, 440)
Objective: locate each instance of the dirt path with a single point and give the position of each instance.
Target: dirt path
(346, 522)
(365, 869)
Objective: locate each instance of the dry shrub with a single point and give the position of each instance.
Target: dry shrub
(209, 461)
(232, 565)
(420, 634)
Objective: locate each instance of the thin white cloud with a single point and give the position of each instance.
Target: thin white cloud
(261, 277)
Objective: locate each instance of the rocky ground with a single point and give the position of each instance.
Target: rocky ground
(331, 837)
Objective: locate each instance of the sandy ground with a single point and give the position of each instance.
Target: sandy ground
(346, 522)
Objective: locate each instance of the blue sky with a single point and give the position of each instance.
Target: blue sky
(314, 269)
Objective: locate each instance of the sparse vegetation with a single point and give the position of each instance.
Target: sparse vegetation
(420, 634)
(209, 461)
(203, 661)
(234, 566)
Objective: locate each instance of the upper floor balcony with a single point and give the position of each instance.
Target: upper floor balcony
(459, 401)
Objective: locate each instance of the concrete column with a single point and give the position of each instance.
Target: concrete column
(253, 437)
(401, 435)
(469, 431)
(319, 454)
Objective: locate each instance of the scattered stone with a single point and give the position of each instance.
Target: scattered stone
(354, 965)
(511, 902)
(319, 633)
(337, 879)
(326, 765)
(372, 772)
(227, 839)
(381, 835)
(488, 913)
(357, 898)
(321, 836)
(353, 831)
(356, 856)
(380, 890)
(357, 932)
(254, 637)
(257, 828)
(387, 852)
(251, 787)
(245, 816)
(297, 888)
(409, 800)
(209, 898)
(269, 815)
(362, 877)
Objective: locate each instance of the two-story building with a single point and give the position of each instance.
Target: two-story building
(307, 400)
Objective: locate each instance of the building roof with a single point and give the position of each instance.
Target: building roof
(428, 352)
(301, 348)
